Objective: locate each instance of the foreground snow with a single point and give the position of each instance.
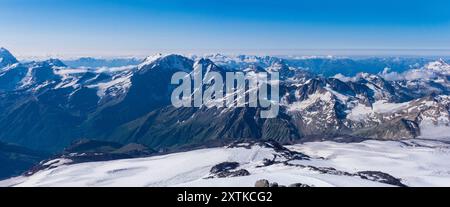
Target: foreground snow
(414, 162)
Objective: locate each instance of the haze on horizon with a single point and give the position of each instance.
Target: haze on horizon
(284, 27)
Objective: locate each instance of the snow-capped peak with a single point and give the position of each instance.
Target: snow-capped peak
(6, 58)
(439, 66)
(150, 59)
(3, 50)
(368, 77)
(55, 62)
(204, 62)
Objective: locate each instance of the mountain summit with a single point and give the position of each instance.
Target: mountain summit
(6, 58)
(439, 66)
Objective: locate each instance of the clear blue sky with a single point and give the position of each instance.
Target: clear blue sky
(137, 27)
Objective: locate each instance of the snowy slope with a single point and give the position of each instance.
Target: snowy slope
(414, 162)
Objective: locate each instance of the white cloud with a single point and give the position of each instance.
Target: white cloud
(344, 78)
(413, 74)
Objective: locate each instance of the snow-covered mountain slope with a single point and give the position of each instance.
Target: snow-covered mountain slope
(369, 163)
(439, 66)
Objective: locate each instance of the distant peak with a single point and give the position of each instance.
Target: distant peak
(172, 61)
(150, 59)
(438, 66)
(4, 51)
(55, 62)
(6, 58)
(442, 61)
(204, 61)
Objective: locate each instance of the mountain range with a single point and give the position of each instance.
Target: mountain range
(47, 105)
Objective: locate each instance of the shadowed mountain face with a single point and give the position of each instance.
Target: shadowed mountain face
(15, 160)
(85, 150)
(47, 105)
(6, 58)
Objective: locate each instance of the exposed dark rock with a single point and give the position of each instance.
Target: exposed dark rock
(274, 185)
(227, 169)
(91, 146)
(266, 183)
(366, 175)
(299, 185)
(224, 166)
(267, 162)
(236, 173)
(134, 149)
(380, 177)
(288, 154)
(391, 130)
(262, 183)
(272, 144)
(85, 146)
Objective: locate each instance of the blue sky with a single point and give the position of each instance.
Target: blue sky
(139, 27)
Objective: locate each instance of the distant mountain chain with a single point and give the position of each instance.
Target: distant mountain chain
(47, 105)
(99, 62)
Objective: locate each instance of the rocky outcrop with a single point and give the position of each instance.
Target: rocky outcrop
(391, 130)
(227, 169)
(262, 183)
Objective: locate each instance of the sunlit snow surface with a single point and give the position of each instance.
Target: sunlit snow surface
(415, 162)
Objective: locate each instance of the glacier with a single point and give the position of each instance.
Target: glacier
(414, 162)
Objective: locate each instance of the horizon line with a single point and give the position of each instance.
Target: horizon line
(142, 53)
